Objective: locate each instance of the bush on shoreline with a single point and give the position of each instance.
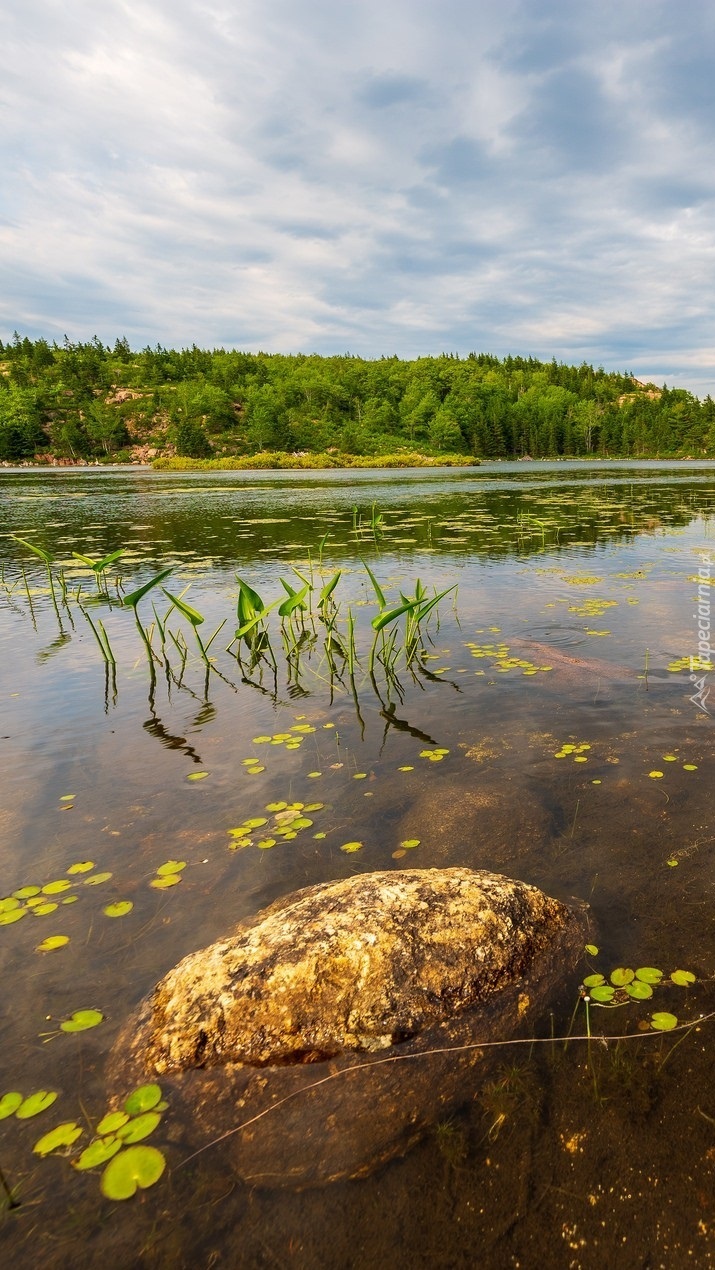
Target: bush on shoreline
(276, 459)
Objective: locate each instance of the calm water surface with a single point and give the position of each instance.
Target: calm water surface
(572, 626)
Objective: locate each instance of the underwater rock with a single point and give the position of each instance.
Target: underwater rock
(301, 1006)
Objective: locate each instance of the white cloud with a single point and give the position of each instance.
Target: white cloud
(397, 177)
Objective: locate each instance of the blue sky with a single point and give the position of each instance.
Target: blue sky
(371, 176)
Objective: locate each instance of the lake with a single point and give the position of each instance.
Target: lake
(553, 726)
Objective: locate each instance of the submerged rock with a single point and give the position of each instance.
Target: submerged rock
(302, 1006)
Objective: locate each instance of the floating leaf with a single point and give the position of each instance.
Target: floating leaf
(138, 1166)
(14, 915)
(120, 909)
(9, 1104)
(196, 776)
(663, 1022)
(638, 990)
(171, 866)
(592, 950)
(9, 904)
(82, 1020)
(408, 843)
(26, 892)
(96, 878)
(98, 1152)
(61, 1136)
(649, 974)
(593, 981)
(145, 1098)
(140, 1127)
(603, 993)
(35, 1103)
(683, 978)
(52, 942)
(112, 1121)
(82, 866)
(351, 846)
(621, 976)
(168, 879)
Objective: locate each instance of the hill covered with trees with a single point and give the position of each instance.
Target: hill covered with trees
(87, 401)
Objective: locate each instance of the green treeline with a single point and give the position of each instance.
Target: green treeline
(90, 401)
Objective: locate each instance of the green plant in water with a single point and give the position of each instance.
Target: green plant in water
(98, 567)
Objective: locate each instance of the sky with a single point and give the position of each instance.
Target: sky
(377, 177)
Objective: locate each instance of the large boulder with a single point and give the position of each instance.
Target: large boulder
(323, 1036)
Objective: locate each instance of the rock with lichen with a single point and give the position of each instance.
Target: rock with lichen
(278, 1034)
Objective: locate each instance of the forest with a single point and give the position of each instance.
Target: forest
(95, 403)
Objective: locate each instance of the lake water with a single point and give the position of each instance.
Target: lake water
(578, 755)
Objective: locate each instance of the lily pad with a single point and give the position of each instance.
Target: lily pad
(621, 976)
(638, 990)
(350, 847)
(171, 866)
(682, 978)
(166, 880)
(649, 974)
(111, 1122)
(82, 1020)
(137, 1167)
(52, 942)
(96, 878)
(12, 915)
(63, 1135)
(98, 1152)
(35, 1103)
(593, 981)
(9, 1104)
(120, 909)
(663, 1021)
(140, 1127)
(603, 993)
(145, 1098)
(196, 776)
(82, 866)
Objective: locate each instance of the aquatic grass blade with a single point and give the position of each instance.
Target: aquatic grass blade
(131, 601)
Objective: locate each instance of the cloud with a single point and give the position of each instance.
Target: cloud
(397, 177)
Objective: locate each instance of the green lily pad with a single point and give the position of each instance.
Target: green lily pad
(96, 878)
(52, 942)
(120, 909)
(9, 904)
(39, 910)
(663, 1022)
(82, 1020)
(592, 950)
(682, 978)
(12, 915)
(603, 993)
(63, 1135)
(649, 974)
(54, 888)
(171, 866)
(25, 892)
(350, 847)
(82, 866)
(167, 880)
(98, 1152)
(621, 976)
(195, 776)
(145, 1098)
(638, 990)
(111, 1122)
(138, 1166)
(593, 981)
(35, 1103)
(140, 1127)
(9, 1104)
